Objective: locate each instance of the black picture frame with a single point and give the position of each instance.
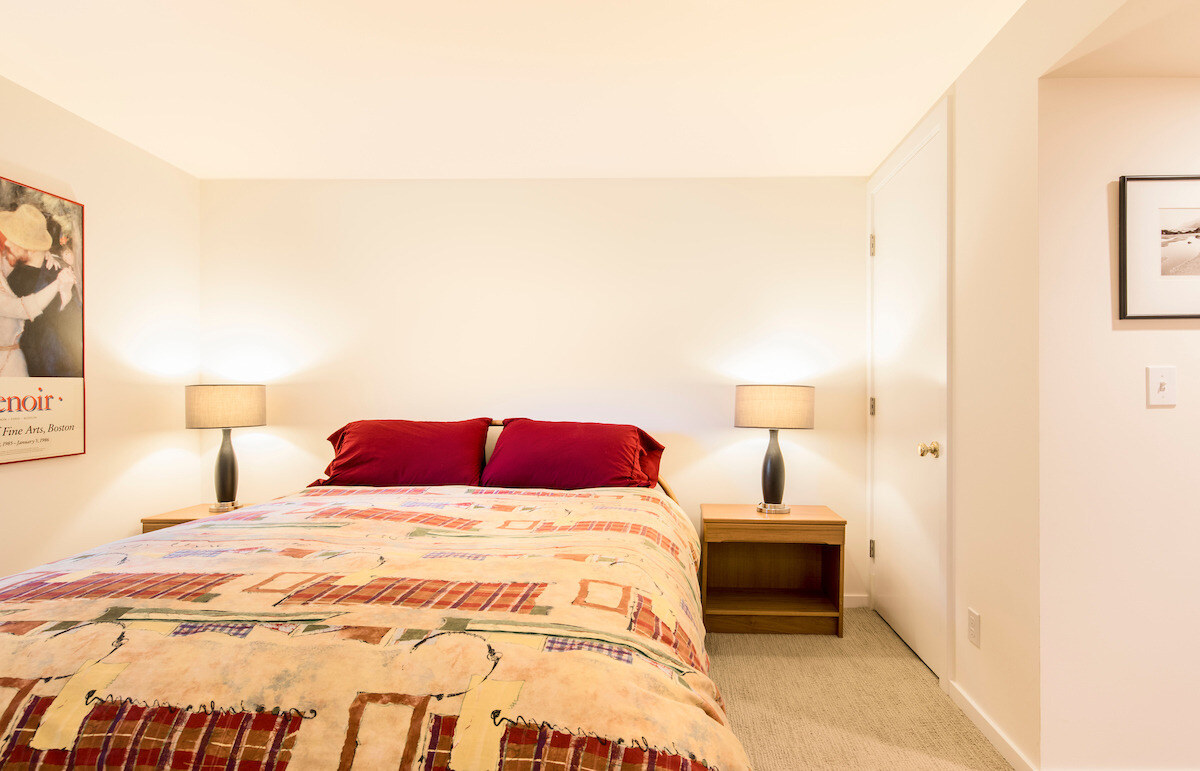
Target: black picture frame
(1124, 256)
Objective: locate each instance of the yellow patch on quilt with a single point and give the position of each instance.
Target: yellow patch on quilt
(568, 518)
(664, 610)
(68, 577)
(476, 736)
(381, 735)
(534, 641)
(60, 725)
(162, 627)
(607, 595)
(362, 577)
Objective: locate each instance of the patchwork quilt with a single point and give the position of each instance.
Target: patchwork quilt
(373, 628)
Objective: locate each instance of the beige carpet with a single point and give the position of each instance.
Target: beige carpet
(864, 701)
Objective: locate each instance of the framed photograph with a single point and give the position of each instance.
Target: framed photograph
(42, 406)
(1160, 247)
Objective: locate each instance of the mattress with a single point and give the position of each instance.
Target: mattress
(414, 628)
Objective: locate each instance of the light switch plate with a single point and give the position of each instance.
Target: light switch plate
(1160, 386)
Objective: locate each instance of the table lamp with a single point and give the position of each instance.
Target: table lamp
(225, 407)
(773, 407)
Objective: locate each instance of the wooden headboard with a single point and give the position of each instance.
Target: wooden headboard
(666, 488)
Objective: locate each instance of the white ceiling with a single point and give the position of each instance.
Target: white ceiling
(370, 89)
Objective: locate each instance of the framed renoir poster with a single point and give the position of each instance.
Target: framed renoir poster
(41, 324)
(1160, 247)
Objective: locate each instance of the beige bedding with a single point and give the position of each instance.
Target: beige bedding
(413, 628)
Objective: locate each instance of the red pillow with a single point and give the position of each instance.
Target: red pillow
(386, 453)
(568, 456)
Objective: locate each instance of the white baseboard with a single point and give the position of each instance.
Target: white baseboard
(990, 730)
(856, 601)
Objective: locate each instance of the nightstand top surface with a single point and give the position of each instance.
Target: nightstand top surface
(181, 515)
(747, 512)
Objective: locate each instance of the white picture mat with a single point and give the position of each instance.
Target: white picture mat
(1147, 291)
(53, 431)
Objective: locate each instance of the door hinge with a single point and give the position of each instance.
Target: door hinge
(872, 548)
(872, 244)
(872, 405)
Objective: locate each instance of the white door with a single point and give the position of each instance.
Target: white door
(909, 217)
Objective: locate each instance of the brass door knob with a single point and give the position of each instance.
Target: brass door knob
(933, 448)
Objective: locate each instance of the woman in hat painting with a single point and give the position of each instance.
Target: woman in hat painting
(53, 342)
(23, 233)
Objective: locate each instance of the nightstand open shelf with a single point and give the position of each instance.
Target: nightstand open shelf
(772, 573)
(724, 601)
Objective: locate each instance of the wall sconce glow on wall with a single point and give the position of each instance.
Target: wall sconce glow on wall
(773, 407)
(225, 407)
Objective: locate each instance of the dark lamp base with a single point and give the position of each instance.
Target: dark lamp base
(226, 476)
(772, 478)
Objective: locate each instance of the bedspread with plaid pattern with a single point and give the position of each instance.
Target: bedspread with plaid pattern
(415, 628)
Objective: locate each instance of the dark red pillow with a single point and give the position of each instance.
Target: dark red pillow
(386, 453)
(568, 456)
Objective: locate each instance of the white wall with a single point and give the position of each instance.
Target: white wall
(1120, 520)
(993, 447)
(639, 301)
(624, 301)
(141, 270)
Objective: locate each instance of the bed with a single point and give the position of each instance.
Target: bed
(431, 628)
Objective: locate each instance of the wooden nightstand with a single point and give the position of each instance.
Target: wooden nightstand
(776, 573)
(177, 517)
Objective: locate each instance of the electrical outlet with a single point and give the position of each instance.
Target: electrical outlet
(973, 628)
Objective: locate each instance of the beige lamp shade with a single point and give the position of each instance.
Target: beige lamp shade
(225, 406)
(774, 406)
